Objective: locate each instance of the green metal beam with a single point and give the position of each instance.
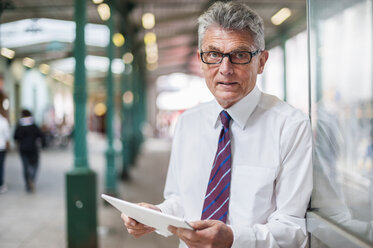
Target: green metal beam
(111, 185)
(81, 181)
(127, 28)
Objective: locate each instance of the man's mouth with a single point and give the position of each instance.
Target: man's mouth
(227, 83)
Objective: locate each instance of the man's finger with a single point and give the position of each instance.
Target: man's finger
(182, 233)
(201, 224)
(177, 231)
(147, 205)
(137, 233)
(128, 221)
(139, 227)
(172, 229)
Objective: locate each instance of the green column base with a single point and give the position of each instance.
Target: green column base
(81, 208)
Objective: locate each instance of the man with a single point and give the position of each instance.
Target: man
(254, 189)
(27, 135)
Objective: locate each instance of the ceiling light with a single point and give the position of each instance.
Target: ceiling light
(62, 77)
(128, 97)
(150, 38)
(104, 11)
(118, 39)
(128, 58)
(100, 109)
(97, 1)
(44, 68)
(148, 21)
(57, 75)
(28, 62)
(281, 16)
(7, 53)
(117, 66)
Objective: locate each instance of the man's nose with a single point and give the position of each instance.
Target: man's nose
(226, 67)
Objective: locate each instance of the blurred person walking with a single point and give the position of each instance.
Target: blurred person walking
(4, 145)
(27, 135)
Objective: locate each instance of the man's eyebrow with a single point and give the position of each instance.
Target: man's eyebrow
(213, 48)
(240, 48)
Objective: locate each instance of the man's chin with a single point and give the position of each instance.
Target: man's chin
(227, 100)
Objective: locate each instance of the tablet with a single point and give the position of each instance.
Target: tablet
(158, 220)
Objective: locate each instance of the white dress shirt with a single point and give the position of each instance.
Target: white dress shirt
(271, 181)
(4, 133)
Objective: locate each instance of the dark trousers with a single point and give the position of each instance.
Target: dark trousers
(2, 159)
(30, 167)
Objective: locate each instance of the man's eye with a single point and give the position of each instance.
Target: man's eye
(240, 55)
(214, 55)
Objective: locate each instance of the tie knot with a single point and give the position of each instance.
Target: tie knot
(225, 118)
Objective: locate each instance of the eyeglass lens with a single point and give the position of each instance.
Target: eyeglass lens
(235, 57)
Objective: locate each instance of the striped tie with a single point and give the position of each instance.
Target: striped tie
(217, 194)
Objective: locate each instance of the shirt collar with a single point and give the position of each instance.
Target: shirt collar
(240, 111)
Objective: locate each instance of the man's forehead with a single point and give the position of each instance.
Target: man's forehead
(217, 37)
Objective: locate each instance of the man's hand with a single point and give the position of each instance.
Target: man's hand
(135, 228)
(208, 233)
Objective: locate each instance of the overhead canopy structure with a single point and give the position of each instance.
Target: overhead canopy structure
(175, 27)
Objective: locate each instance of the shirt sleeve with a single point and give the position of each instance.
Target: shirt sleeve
(172, 204)
(286, 226)
(6, 130)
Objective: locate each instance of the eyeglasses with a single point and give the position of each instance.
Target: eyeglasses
(237, 57)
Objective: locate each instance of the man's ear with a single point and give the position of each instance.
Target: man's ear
(262, 61)
(199, 55)
(199, 59)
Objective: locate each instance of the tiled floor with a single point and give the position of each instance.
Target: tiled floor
(38, 220)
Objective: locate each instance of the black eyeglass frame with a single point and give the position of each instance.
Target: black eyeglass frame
(252, 54)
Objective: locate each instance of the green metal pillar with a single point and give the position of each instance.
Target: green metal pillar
(141, 114)
(111, 185)
(80, 181)
(126, 89)
(131, 112)
(136, 113)
(126, 111)
(126, 115)
(143, 98)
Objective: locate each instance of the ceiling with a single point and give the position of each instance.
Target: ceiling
(175, 27)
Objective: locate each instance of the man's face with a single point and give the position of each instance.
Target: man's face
(229, 82)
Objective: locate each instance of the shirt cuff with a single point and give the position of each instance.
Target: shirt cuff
(171, 207)
(242, 237)
(162, 206)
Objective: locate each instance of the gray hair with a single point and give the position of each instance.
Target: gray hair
(232, 16)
